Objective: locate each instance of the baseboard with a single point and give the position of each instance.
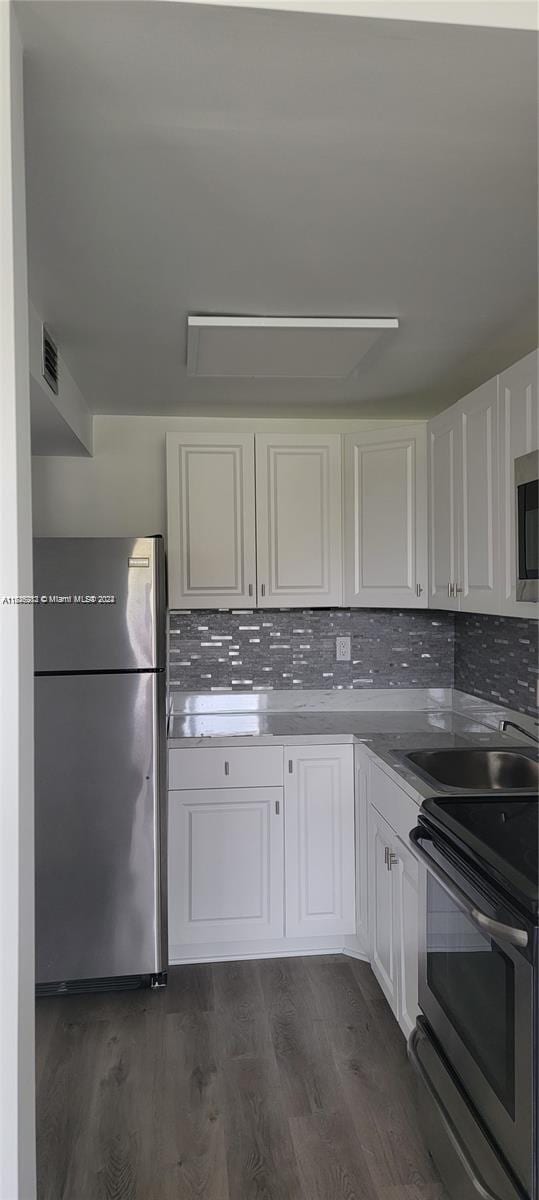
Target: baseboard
(232, 952)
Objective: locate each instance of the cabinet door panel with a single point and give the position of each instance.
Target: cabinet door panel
(478, 476)
(319, 824)
(519, 434)
(385, 518)
(443, 514)
(406, 898)
(298, 482)
(381, 908)
(225, 865)
(362, 846)
(211, 538)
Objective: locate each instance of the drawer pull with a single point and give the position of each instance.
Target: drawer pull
(227, 768)
(290, 766)
(277, 807)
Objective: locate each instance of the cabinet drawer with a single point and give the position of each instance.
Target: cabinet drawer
(212, 767)
(394, 804)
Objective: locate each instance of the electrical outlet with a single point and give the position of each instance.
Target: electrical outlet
(342, 647)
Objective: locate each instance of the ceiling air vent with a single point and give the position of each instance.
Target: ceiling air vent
(49, 361)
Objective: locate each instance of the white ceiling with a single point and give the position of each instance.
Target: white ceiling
(183, 158)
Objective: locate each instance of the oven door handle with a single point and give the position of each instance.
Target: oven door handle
(506, 933)
(479, 1184)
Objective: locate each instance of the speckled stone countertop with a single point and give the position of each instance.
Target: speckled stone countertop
(390, 724)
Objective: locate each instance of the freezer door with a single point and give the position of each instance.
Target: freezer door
(100, 604)
(100, 804)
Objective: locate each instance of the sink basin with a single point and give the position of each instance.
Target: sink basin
(484, 770)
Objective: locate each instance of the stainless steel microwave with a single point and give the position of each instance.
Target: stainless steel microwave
(527, 517)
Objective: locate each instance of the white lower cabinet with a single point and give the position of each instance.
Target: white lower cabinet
(225, 865)
(319, 839)
(393, 898)
(383, 931)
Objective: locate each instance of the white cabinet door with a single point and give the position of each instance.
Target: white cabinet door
(385, 518)
(211, 528)
(519, 434)
(478, 579)
(405, 874)
(225, 865)
(383, 947)
(361, 768)
(319, 834)
(443, 441)
(298, 519)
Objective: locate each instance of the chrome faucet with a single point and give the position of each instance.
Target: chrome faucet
(506, 724)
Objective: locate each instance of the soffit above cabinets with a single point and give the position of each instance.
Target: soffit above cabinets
(281, 347)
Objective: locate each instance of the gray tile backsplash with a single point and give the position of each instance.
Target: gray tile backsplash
(496, 658)
(295, 648)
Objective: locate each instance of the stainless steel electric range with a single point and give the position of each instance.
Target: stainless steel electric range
(475, 1045)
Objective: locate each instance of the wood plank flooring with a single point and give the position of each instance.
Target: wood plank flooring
(282, 1079)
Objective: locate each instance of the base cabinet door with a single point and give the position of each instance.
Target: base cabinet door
(406, 899)
(361, 767)
(225, 857)
(383, 928)
(319, 832)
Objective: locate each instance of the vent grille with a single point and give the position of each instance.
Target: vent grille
(49, 361)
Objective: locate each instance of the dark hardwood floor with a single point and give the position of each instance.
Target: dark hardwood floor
(282, 1079)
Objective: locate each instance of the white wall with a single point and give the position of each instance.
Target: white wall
(121, 490)
(60, 424)
(17, 1070)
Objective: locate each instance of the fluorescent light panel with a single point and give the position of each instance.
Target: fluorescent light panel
(281, 347)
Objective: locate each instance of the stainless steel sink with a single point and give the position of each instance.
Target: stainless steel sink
(481, 770)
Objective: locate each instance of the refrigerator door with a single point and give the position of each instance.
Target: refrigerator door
(100, 826)
(114, 616)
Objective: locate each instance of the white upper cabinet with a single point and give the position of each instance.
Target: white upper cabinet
(319, 839)
(479, 573)
(519, 434)
(385, 518)
(464, 504)
(443, 433)
(298, 519)
(211, 531)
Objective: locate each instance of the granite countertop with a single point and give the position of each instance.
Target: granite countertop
(390, 724)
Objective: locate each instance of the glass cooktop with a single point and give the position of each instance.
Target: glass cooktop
(500, 835)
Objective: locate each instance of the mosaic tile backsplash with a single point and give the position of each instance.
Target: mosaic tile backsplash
(496, 658)
(295, 648)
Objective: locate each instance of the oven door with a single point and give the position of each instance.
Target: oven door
(476, 991)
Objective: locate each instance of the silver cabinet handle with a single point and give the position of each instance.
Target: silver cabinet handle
(506, 933)
(458, 589)
(277, 807)
(451, 589)
(290, 766)
(392, 860)
(227, 768)
(479, 1184)
(250, 589)
(386, 854)
(262, 589)
(418, 590)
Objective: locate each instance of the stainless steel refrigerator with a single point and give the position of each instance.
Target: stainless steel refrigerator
(100, 762)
